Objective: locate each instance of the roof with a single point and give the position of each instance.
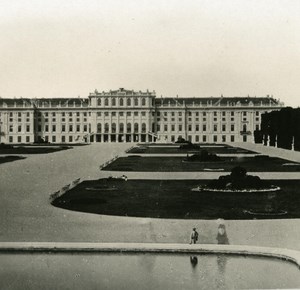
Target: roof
(218, 101)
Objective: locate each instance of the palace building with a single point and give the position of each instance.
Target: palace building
(132, 116)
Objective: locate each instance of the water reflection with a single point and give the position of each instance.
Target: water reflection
(222, 238)
(194, 261)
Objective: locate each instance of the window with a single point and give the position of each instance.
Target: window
(215, 128)
(204, 128)
(204, 138)
(70, 138)
(106, 102)
(180, 114)
(19, 139)
(232, 113)
(136, 101)
(180, 128)
(136, 128)
(99, 102)
(223, 138)
(257, 127)
(11, 139)
(27, 139)
(70, 119)
(223, 127)
(113, 128)
(215, 119)
(19, 115)
(215, 138)
(77, 114)
(215, 114)
(70, 128)
(27, 114)
(27, 128)
(19, 120)
(128, 128)
(190, 128)
(197, 138)
(63, 119)
(143, 114)
(63, 114)
(136, 114)
(173, 128)
(99, 128)
(244, 113)
(165, 128)
(85, 128)
(257, 113)
(77, 128)
(157, 127)
(113, 113)
(257, 119)
(128, 102)
(128, 114)
(121, 102)
(113, 102)
(77, 119)
(121, 114)
(232, 138)
(53, 139)
(46, 138)
(223, 114)
(70, 114)
(143, 128)
(63, 139)
(84, 114)
(197, 127)
(53, 120)
(46, 128)
(53, 128)
(121, 128)
(106, 128)
(63, 128)
(232, 127)
(143, 102)
(105, 114)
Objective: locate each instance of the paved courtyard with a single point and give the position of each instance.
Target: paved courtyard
(26, 213)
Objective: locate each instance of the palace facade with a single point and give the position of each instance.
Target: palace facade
(132, 116)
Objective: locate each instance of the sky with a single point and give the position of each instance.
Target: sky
(201, 48)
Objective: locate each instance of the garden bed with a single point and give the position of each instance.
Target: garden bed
(175, 199)
(178, 164)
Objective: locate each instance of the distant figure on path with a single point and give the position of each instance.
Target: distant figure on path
(222, 235)
(194, 236)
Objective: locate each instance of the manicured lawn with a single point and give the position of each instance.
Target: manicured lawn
(174, 199)
(168, 149)
(32, 149)
(177, 164)
(10, 158)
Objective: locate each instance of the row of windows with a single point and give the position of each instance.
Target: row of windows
(19, 128)
(53, 120)
(121, 102)
(99, 114)
(215, 114)
(113, 128)
(71, 128)
(63, 114)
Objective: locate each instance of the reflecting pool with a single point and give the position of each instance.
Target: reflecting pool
(144, 271)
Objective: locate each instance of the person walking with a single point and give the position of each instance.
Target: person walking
(194, 236)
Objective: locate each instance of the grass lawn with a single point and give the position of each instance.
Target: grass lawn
(177, 164)
(32, 149)
(174, 199)
(175, 150)
(10, 158)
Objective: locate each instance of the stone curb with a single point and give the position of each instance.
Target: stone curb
(48, 247)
